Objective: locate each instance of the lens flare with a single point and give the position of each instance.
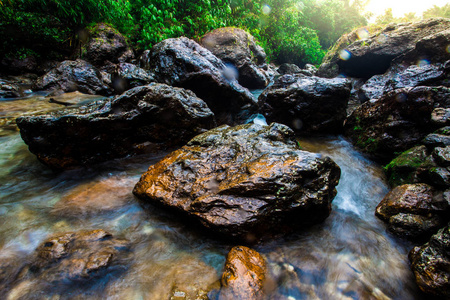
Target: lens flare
(362, 34)
(345, 54)
(448, 48)
(266, 9)
(422, 63)
(382, 38)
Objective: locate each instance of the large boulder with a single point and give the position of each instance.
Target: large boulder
(74, 75)
(307, 104)
(144, 118)
(124, 76)
(244, 181)
(105, 44)
(430, 264)
(244, 275)
(238, 47)
(184, 63)
(397, 121)
(362, 54)
(414, 211)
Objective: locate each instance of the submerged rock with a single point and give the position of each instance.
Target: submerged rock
(144, 118)
(245, 181)
(184, 63)
(431, 264)
(79, 256)
(307, 104)
(244, 275)
(238, 47)
(74, 75)
(414, 211)
(104, 43)
(397, 121)
(363, 54)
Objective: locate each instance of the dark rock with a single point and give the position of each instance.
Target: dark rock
(144, 59)
(307, 104)
(430, 264)
(238, 47)
(440, 116)
(184, 63)
(413, 211)
(18, 66)
(244, 275)
(74, 75)
(106, 44)
(407, 167)
(426, 75)
(244, 182)
(442, 156)
(440, 138)
(288, 69)
(439, 176)
(144, 118)
(8, 90)
(78, 256)
(395, 122)
(373, 55)
(124, 76)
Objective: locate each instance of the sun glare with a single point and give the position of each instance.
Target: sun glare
(401, 7)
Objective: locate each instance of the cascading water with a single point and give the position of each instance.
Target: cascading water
(349, 256)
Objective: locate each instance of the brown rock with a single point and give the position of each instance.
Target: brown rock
(244, 275)
(244, 181)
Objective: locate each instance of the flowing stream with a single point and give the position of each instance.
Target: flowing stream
(349, 256)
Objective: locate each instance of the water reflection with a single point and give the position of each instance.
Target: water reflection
(349, 256)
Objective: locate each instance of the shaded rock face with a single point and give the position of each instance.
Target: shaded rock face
(106, 44)
(414, 211)
(430, 264)
(374, 54)
(184, 63)
(244, 275)
(307, 104)
(426, 75)
(286, 68)
(397, 121)
(144, 118)
(244, 181)
(238, 47)
(70, 76)
(79, 256)
(124, 76)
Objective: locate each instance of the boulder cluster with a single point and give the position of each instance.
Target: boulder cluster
(247, 181)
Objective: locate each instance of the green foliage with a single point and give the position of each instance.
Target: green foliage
(436, 11)
(294, 31)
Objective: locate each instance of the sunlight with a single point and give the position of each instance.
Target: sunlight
(401, 7)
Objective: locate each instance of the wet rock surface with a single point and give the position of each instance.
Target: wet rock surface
(79, 257)
(414, 211)
(184, 63)
(245, 181)
(244, 275)
(106, 44)
(236, 46)
(371, 54)
(430, 264)
(307, 104)
(397, 121)
(74, 75)
(142, 119)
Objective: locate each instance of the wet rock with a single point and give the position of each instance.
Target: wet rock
(368, 54)
(145, 118)
(73, 98)
(106, 44)
(408, 166)
(439, 176)
(125, 76)
(244, 275)
(440, 116)
(442, 156)
(76, 75)
(307, 104)
(396, 122)
(184, 63)
(440, 138)
(144, 59)
(108, 194)
(287, 68)
(79, 256)
(245, 181)
(395, 78)
(430, 264)
(238, 47)
(414, 211)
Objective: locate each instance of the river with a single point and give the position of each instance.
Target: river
(349, 256)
